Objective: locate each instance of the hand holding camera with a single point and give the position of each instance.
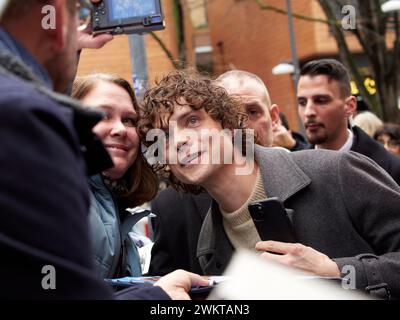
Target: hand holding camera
(101, 19)
(127, 16)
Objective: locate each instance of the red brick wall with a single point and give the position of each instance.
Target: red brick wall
(257, 40)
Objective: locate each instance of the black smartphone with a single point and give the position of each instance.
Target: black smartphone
(271, 220)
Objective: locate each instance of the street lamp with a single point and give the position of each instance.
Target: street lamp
(283, 68)
(295, 59)
(289, 68)
(391, 5)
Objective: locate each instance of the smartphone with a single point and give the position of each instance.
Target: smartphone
(271, 220)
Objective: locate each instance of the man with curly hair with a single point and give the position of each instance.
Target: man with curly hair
(172, 252)
(333, 222)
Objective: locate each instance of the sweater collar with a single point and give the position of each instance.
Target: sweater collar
(282, 178)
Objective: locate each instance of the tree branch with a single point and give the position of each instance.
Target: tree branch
(264, 6)
(347, 57)
(176, 63)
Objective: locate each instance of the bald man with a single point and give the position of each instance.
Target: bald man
(251, 90)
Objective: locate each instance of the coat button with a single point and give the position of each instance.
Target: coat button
(218, 265)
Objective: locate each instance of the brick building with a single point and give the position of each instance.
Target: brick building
(245, 37)
(182, 22)
(219, 35)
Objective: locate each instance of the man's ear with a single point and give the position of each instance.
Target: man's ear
(350, 106)
(58, 35)
(274, 114)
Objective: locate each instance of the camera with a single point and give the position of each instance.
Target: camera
(127, 16)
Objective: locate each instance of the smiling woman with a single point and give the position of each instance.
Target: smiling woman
(131, 181)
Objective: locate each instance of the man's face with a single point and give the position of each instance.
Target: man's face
(253, 96)
(323, 110)
(196, 146)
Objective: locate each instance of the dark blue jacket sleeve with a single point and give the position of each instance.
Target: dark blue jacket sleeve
(142, 292)
(43, 201)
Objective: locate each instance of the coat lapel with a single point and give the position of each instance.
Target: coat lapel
(282, 178)
(214, 250)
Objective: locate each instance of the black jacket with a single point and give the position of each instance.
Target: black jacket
(176, 230)
(367, 146)
(301, 142)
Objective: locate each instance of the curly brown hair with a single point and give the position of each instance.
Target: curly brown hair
(141, 181)
(197, 91)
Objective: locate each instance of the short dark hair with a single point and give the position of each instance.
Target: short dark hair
(331, 68)
(390, 129)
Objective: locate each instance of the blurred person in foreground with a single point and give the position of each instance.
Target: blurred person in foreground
(46, 138)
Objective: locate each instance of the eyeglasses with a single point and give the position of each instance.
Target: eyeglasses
(84, 8)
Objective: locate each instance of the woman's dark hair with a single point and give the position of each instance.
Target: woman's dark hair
(140, 180)
(390, 129)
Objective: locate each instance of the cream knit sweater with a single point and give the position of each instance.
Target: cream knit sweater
(238, 225)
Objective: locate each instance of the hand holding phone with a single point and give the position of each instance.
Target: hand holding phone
(271, 220)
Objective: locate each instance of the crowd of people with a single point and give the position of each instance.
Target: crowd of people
(77, 153)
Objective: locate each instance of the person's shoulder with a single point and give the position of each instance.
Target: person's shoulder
(23, 105)
(301, 155)
(374, 150)
(20, 96)
(368, 146)
(324, 158)
(317, 160)
(394, 166)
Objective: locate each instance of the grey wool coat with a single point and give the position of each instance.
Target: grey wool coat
(344, 205)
